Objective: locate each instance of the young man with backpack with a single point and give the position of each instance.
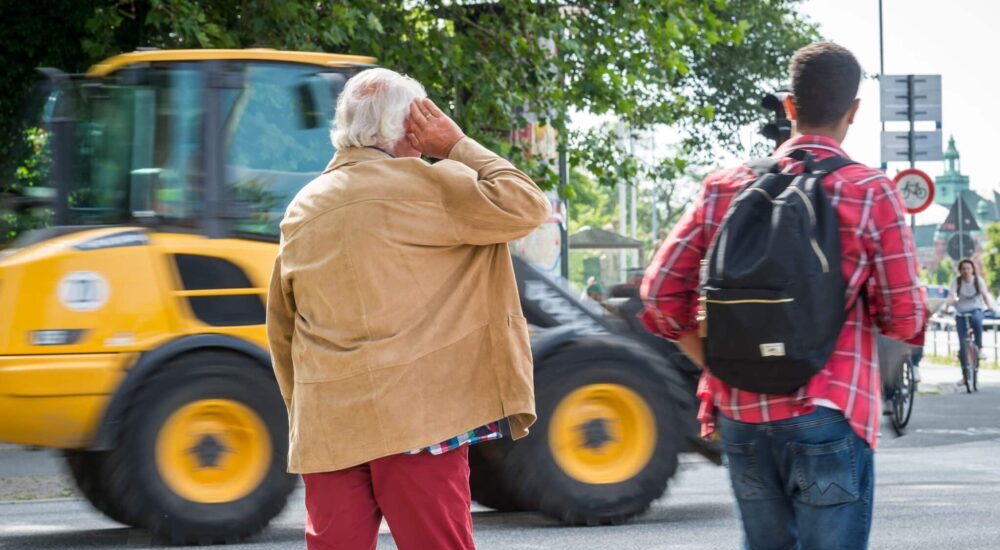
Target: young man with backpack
(778, 281)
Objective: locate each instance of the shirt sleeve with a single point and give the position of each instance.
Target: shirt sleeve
(280, 327)
(488, 199)
(670, 285)
(899, 297)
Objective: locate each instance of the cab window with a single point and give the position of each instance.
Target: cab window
(277, 140)
(139, 150)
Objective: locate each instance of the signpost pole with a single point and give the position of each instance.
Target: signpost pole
(913, 162)
(881, 46)
(881, 54)
(909, 101)
(563, 183)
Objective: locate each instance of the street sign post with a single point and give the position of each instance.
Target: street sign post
(910, 98)
(917, 189)
(926, 146)
(895, 94)
(960, 222)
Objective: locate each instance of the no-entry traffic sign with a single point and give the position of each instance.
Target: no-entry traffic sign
(917, 189)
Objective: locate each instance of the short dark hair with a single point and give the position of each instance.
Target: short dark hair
(825, 79)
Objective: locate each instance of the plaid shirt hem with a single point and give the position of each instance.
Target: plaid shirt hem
(488, 432)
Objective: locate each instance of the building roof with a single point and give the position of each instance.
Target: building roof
(591, 237)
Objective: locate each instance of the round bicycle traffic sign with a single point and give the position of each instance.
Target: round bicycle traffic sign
(917, 189)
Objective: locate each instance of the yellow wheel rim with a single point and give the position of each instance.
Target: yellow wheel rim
(213, 450)
(602, 433)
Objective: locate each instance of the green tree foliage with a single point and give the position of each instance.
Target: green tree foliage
(28, 178)
(945, 273)
(991, 257)
(697, 65)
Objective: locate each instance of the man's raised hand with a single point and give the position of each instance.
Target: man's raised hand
(430, 130)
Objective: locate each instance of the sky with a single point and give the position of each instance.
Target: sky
(955, 39)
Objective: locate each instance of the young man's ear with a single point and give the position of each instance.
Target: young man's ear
(790, 111)
(853, 110)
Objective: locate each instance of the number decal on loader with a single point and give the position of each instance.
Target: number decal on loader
(84, 291)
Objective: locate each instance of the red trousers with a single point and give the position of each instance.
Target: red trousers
(425, 500)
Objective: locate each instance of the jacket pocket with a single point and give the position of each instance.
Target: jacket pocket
(826, 474)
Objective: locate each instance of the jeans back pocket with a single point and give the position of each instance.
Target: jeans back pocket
(744, 472)
(826, 474)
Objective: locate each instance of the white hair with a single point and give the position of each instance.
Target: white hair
(373, 107)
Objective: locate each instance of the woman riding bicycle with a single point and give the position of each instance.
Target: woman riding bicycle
(971, 296)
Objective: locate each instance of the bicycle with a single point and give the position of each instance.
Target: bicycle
(902, 401)
(914, 190)
(970, 363)
(898, 384)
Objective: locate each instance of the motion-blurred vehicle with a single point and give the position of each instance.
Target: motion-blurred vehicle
(133, 334)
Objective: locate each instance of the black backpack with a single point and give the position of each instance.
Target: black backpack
(772, 288)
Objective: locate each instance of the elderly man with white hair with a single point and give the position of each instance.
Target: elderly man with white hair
(394, 322)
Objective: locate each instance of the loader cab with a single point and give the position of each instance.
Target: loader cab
(208, 142)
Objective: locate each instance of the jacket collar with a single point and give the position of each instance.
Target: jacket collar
(353, 155)
(810, 142)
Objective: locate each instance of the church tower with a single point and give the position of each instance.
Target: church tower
(949, 185)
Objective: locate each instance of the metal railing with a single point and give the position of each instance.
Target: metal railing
(942, 339)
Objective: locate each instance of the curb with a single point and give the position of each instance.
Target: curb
(941, 388)
(41, 500)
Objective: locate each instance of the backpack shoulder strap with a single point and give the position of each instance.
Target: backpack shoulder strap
(818, 169)
(829, 165)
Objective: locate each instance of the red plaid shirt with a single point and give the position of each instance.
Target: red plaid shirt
(876, 248)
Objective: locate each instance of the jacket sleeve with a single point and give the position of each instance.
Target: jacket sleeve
(487, 198)
(280, 327)
(899, 298)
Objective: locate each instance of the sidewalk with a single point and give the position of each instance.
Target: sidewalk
(935, 378)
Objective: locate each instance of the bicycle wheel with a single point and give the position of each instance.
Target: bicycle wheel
(967, 367)
(975, 370)
(903, 399)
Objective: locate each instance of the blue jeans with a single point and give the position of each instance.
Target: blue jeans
(804, 483)
(977, 331)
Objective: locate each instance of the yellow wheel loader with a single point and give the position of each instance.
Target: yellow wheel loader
(132, 330)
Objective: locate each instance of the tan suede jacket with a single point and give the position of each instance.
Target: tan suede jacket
(393, 315)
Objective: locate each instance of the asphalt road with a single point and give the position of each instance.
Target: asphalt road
(937, 487)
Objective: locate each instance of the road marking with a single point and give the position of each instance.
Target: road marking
(966, 431)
